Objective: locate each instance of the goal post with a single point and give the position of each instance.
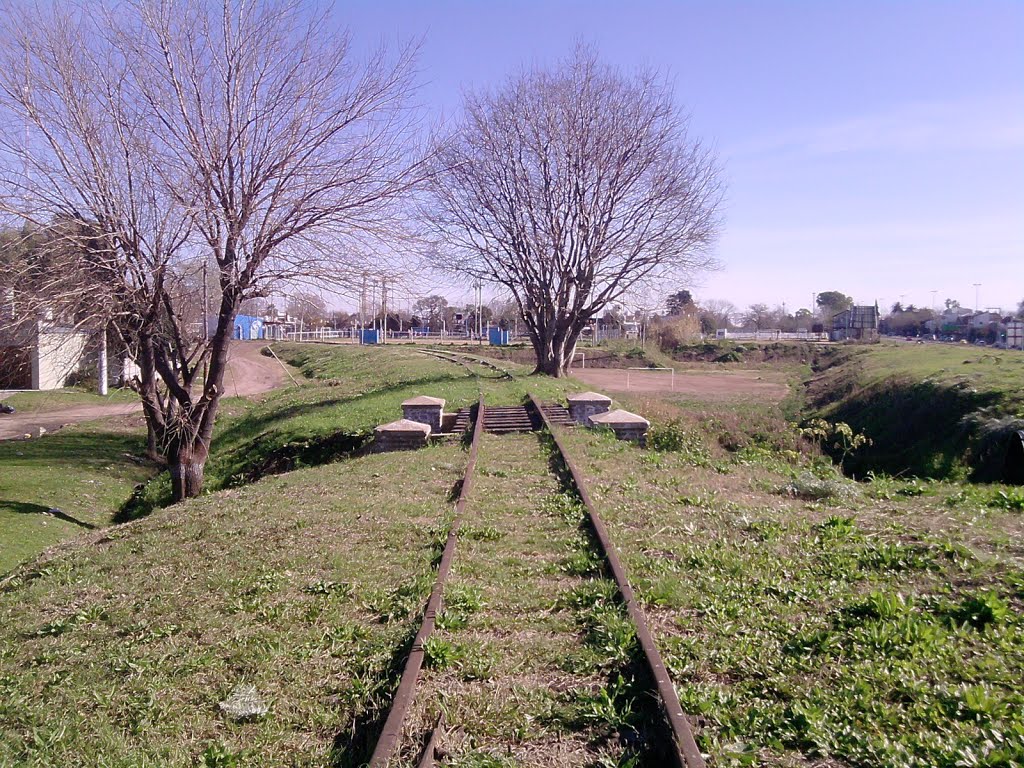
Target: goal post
(671, 371)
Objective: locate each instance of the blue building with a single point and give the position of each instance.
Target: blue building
(248, 328)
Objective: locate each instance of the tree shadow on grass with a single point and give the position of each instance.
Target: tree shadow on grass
(81, 448)
(25, 508)
(249, 426)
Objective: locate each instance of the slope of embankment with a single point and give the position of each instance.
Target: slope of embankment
(930, 410)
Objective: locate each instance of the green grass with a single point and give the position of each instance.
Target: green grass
(305, 585)
(52, 400)
(931, 410)
(118, 649)
(85, 472)
(348, 391)
(880, 626)
(532, 661)
(805, 618)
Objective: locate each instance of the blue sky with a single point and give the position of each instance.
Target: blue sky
(875, 148)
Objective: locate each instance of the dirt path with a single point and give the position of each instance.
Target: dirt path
(249, 373)
(699, 385)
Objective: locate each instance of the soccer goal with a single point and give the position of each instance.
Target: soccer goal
(661, 371)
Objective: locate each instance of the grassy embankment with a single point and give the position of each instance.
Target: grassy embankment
(930, 410)
(347, 392)
(803, 617)
(118, 647)
(808, 618)
(83, 473)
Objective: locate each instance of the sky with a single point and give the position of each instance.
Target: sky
(875, 148)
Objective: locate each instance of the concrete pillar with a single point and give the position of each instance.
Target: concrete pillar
(401, 435)
(101, 366)
(425, 410)
(626, 425)
(584, 405)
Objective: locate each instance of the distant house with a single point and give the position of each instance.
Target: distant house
(984, 320)
(859, 323)
(952, 321)
(248, 328)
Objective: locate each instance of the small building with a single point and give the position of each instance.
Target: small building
(858, 323)
(47, 355)
(982, 320)
(41, 355)
(248, 328)
(1015, 334)
(497, 337)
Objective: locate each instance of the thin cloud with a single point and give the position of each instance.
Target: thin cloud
(994, 123)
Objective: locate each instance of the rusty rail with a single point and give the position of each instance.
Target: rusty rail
(406, 693)
(686, 751)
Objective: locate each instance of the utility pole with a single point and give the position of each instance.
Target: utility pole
(384, 307)
(362, 309)
(206, 323)
(976, 287)
(480, 312)
(102, 364)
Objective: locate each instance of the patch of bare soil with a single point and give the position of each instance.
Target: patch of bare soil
(729, 385)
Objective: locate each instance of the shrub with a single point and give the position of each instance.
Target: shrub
(808, 487)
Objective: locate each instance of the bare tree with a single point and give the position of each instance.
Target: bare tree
(569, 187)
(716, 313)
(308, 307)
(242, 134)
(759, 316)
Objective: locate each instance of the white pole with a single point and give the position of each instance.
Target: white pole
(102, 374)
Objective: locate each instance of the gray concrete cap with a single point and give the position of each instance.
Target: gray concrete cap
(424, 400)
(620, 418)
(404, 425)
(588, 397)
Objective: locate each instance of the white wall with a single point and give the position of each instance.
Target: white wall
(58, 354)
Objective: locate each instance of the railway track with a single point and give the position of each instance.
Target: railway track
(397, 745)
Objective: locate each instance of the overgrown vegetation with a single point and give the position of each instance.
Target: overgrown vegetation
(348, 390)
(532, 660)
(805, 617)
(937, 411)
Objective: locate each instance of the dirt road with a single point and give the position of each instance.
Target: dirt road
(249, 373)
(695, 384)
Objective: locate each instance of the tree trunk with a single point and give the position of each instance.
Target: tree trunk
(187, 456)
(554, 355)
(152, 447)
(187, 465)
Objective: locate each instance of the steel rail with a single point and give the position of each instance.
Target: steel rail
(405, 695)
(686, 751)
